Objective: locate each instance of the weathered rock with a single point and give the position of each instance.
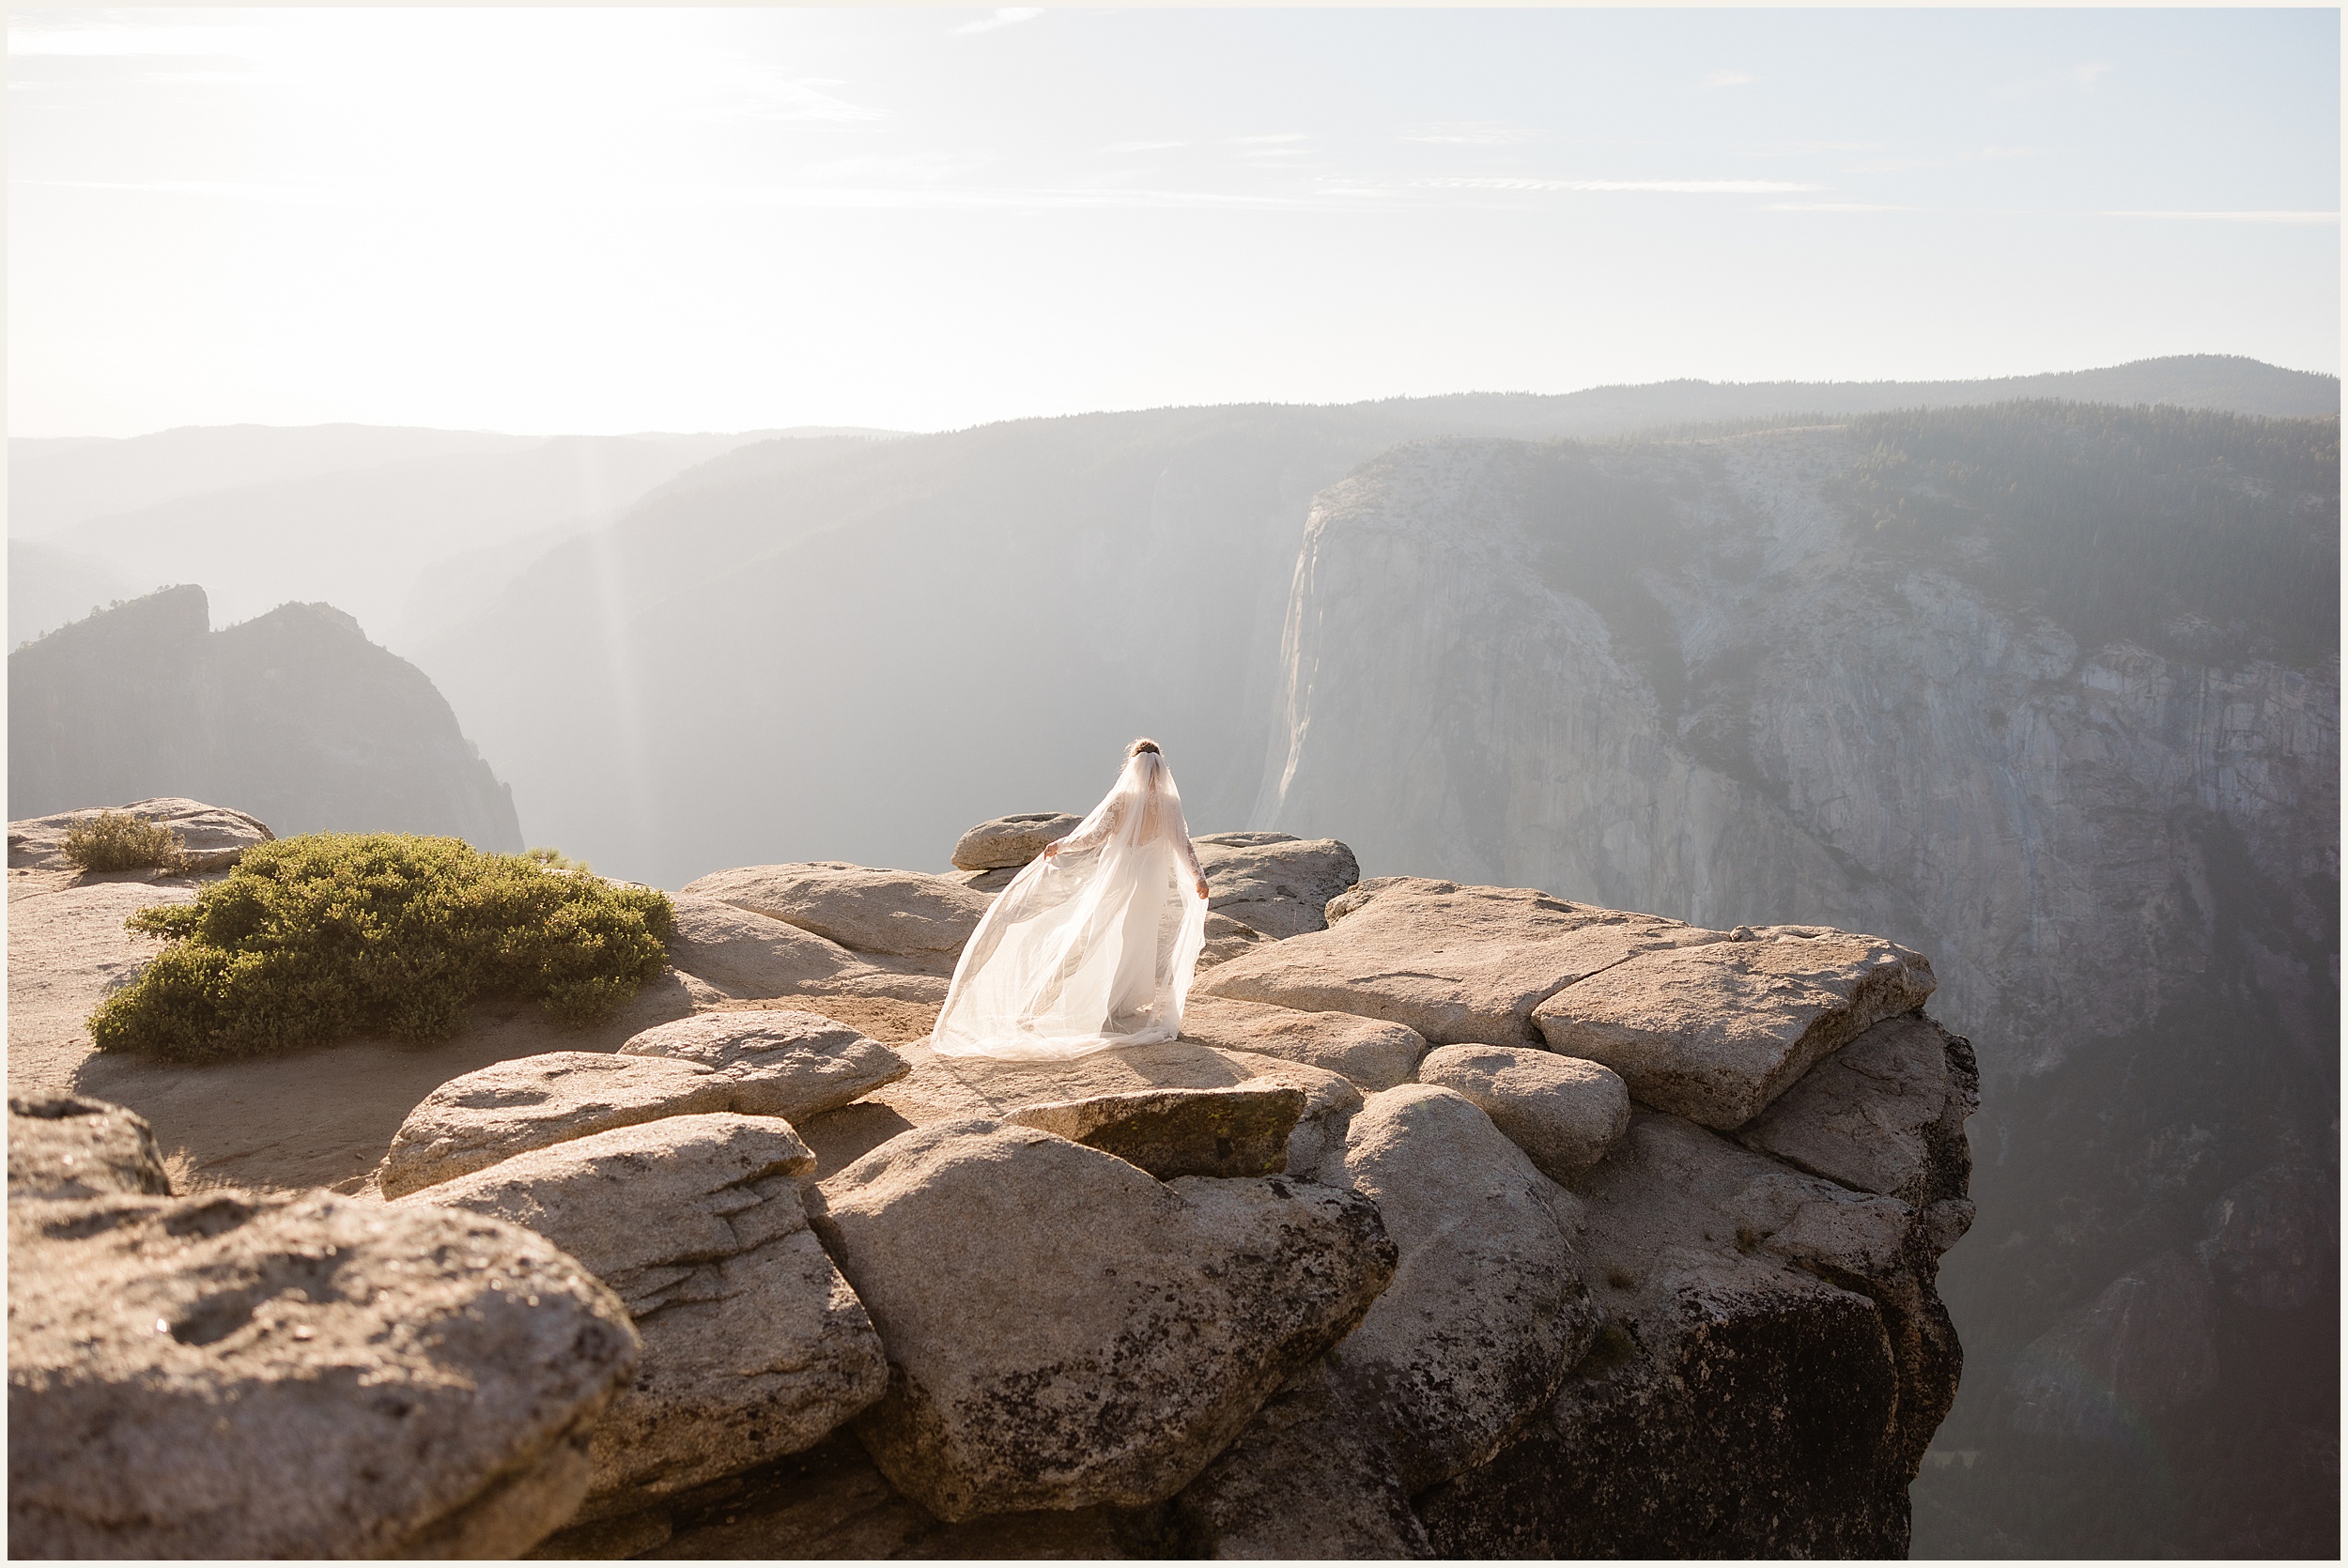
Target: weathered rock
(2274, 1238)
(240, 1375)
(68, 1146)
(754, 1346)
(2145, 1346)
(1064, 1329)
(1180, 1132)
(750, 955)
(1007, 843)
(989, 882)
(471, 1123)
(1227, 939)
(1716, 1032)
(865, 910)
(946, 1088)
(1459, 964)
(1371, 1052)
(801, 1064)
(1563, 1112)
(213, 837)
(1735, 1401)
(1880, 1115)
(1311, 1478)
(1276, 883)
(833, 1502)
(1487, 1312)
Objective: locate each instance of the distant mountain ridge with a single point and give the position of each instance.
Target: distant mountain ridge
(294, 714)
(2227, 383)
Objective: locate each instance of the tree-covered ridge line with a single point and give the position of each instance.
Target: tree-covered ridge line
(2206, 535)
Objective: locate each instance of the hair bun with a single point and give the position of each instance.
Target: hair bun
(1141, 746)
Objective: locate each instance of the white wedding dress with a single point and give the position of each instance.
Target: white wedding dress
(1093, 946)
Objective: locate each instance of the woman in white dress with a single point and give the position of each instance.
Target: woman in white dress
(1094, 943)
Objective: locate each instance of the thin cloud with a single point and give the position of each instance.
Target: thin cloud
(1731, 78)
(1667, 187)
(1143, 146)
(1003, 16)
(2091, 73)
(1265, 140)
(2271, 217)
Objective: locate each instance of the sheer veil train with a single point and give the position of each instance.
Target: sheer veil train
(1094, 943)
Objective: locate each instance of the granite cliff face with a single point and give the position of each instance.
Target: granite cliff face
(1732, 680)
(295, 712)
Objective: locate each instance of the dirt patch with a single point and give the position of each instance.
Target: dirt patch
(884, 1018)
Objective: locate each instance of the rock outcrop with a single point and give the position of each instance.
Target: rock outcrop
(1715, 1032)
(238, 1374)
(66, 1147)
(471, 1123)
(1007, 843)
(211, 839)
(1063, 1329)
(1456, 964)
(888, 915)
(1372, 1054)
(294, 713)
(753, 1345)
(1274, 883)
(1376, 1260)
(1563, 1112)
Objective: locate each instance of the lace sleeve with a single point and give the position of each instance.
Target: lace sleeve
(1098, 834)
(1189, 853)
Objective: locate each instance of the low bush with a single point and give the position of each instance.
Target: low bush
(117, 842)
(329, 935)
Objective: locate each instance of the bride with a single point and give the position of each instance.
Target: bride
(1095, 941)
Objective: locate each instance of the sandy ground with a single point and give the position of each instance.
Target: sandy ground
(317, 1118)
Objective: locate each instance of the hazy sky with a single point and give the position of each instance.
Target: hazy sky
(618, 219)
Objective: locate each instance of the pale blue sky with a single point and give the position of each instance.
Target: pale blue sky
(621, 220)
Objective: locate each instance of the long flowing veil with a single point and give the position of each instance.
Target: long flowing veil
(1092, 947)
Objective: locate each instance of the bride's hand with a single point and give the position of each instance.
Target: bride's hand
(1051, 851)
(1202, 887)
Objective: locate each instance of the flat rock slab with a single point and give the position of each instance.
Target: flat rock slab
(1007, 843)
(798, 1064)
(1885, 1113)
(861, 908)
(240, 1375)
(1063, 1329)
(1486, 1312)
(1714, 1033)
(1371, 1053)
(1278, 884)
(749, 955)
(1460, 965)
(754, 1346)
(471, 1123)
(213, 837)
(1564, 1112)
(943, 1088)
(68, 1146)
(1180, 1132)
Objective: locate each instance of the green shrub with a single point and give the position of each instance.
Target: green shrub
(556, 859)
(329, 935)
(117, 842)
